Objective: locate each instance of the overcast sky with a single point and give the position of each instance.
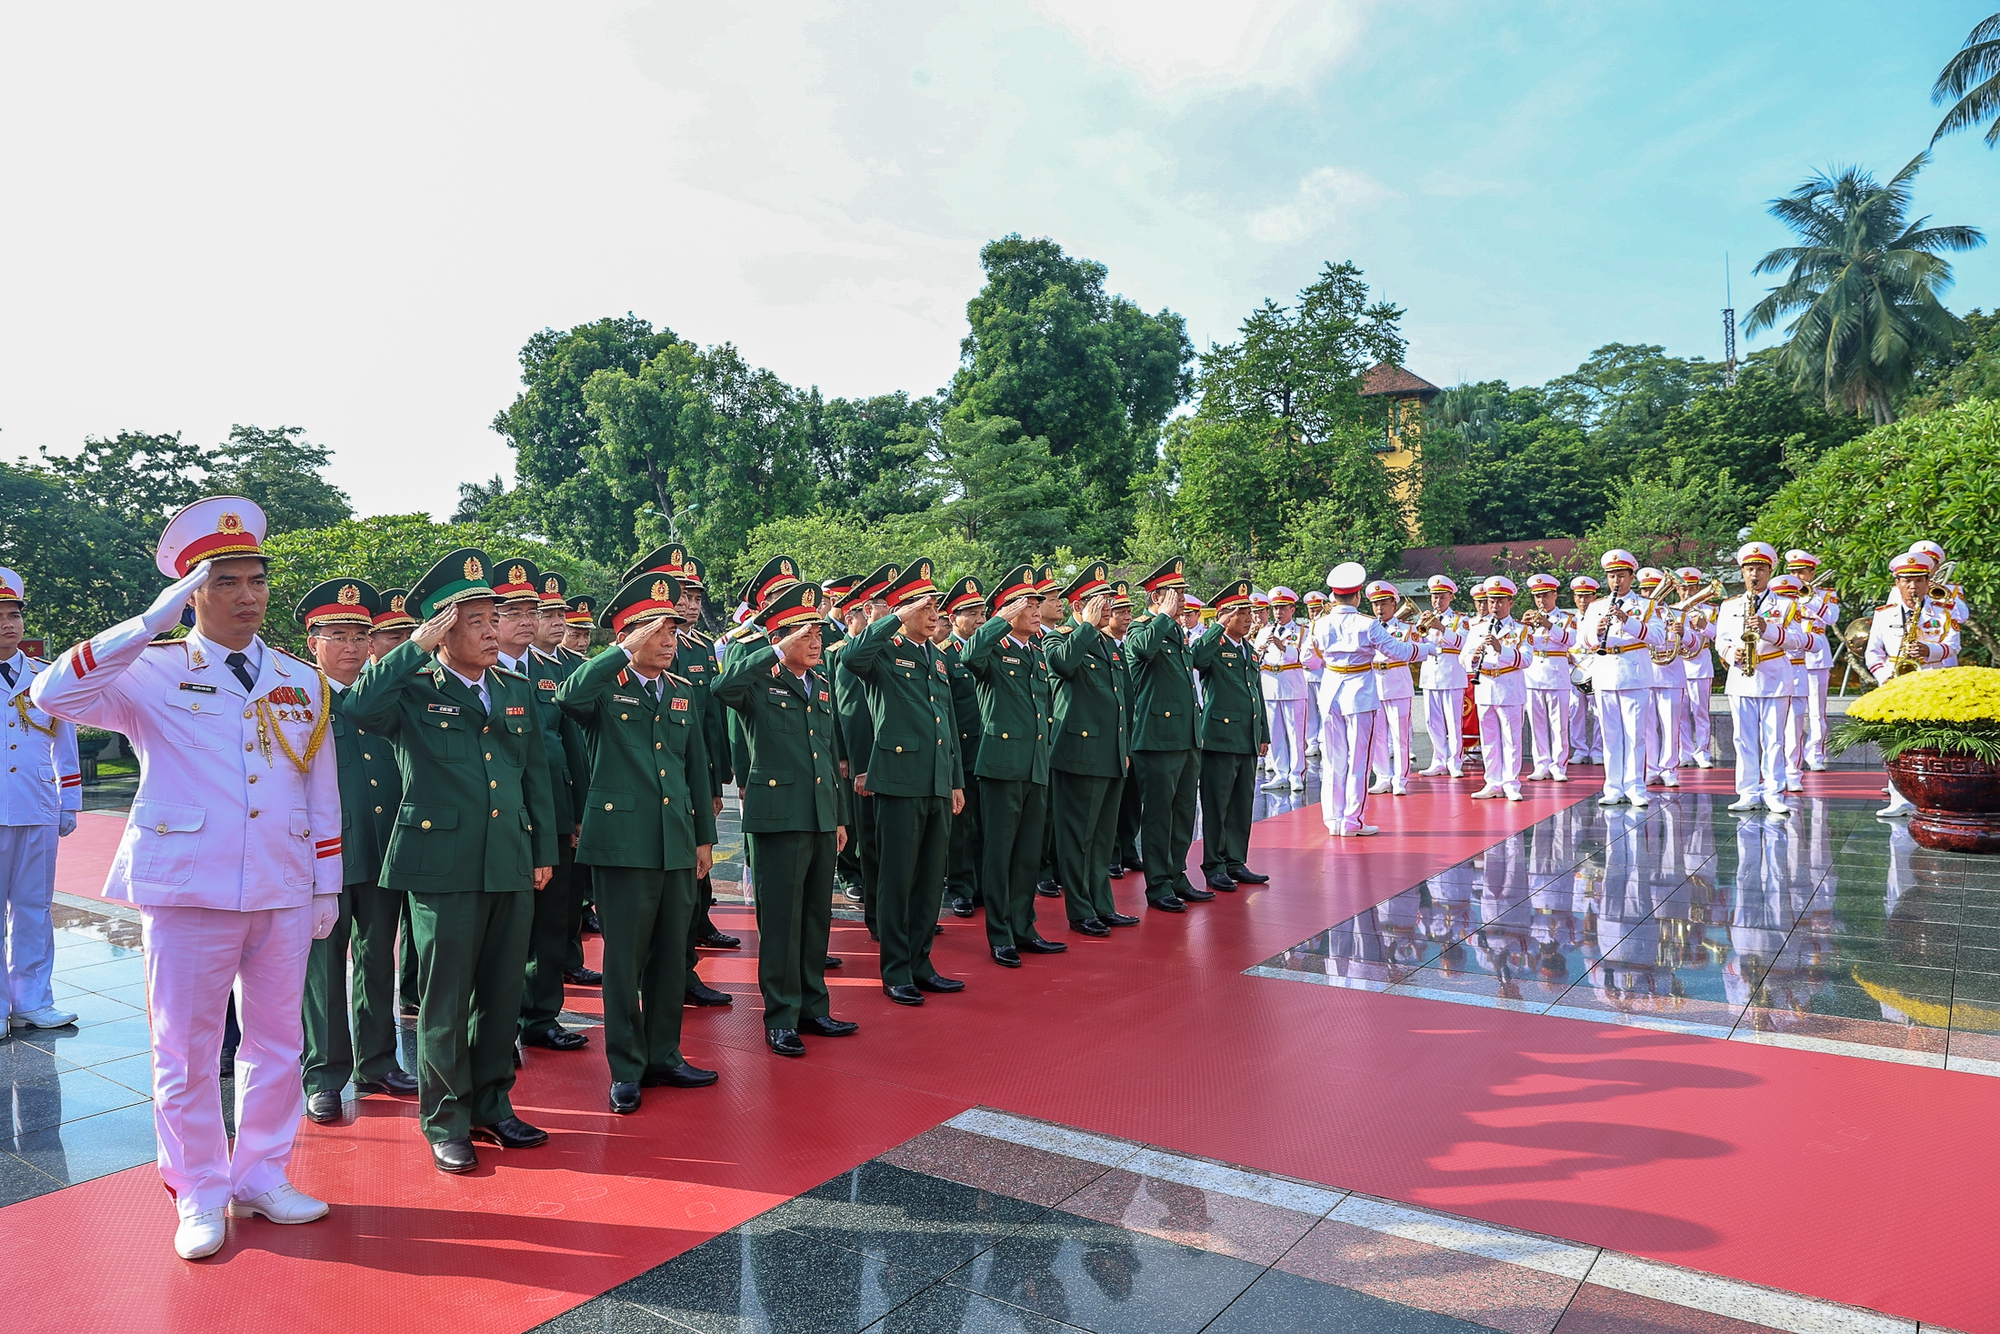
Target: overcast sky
(349, 218)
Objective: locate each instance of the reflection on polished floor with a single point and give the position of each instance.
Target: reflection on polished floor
(1828, 930)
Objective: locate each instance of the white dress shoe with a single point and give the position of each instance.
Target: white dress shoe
(1746, 803)
(1486, 793)
(1434, 771)
(1559, 777)
(1397, 789)
(46, 1017)
(1538, 776)
(1457, 773)
(1611, 799)
(1364, 831)
(1776, 806)
(1274, 785)
(1670, 779)
(1703, 762)
(1298, 785)
(1794, 785)
(283, 1203)
(1378, 786)
(1895, 812)
(201, 1235)
(1639, 799)
(1513, 792)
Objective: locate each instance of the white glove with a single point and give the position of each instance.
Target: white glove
(165, 613)
(326, 911)
(65, 824)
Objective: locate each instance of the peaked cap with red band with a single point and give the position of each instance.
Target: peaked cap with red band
(12, 589)
(393, 613)
(214, 528)
(1171, 574)
(580, 610)
(669, 559)
(555, 588)
(652, 596)
(1232, 596)
(339, 602)
(778, 574)
(872, 586)
(1346, 578)
(793, 605)
(1018, 582)
(965, 595)
(1092, 579)
(913, 583)
(517, 580)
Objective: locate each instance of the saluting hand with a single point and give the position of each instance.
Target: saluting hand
(165, 612)
(1170, 603)
(432, 632)
(1097, 610)
(644, 635)
(909, 611)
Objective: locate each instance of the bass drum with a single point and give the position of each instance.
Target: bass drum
(1579, 676)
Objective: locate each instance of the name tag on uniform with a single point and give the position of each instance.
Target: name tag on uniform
(451, 709)
(1011, 662)
(696, 667)
(627, 699)
(545, 685)
(904, 662)
(680, 704)
(197, 688)
(515, 710)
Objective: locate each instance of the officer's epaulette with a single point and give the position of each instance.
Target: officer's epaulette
(507, 671)
(177, 635)
(39, 662)
(678, 680)
(304, 662)
(694, 636)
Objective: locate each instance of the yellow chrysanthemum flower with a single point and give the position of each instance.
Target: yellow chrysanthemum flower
(1948, 695)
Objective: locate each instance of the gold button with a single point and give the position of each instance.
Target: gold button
(656, 745)
(496, 815)
(373, 783)
(378, 810)
(159, 829)
(253, 815)
(666, 801)
(444, 724)
(489, 754)
(1169, 713)
(493, 782)
(196, 708)
(899, 750)
(427, 824)
(607, 805)
(366, 756)
(774, 782)
(485, 729)
(1003, 736)
(1086, 734)
(253, 778)
(624, 717)
(663, 773)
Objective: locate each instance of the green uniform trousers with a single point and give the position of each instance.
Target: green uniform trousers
(646, 915)
(1125, 849)
(700, 925)
(913, 838)
(334, 1052)
(548, 944)
(794, 923)
(1014, 814)
(472, 954)
(406, 950)
(963, 870)
(1228, 798)
(1169, 781)
(1084, 811)
(862, 838)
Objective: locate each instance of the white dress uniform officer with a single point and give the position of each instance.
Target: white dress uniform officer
(40, 795)
(1791, 727)
(1498, 652)
(232, 855)
(1586, 736)
(1315, 604)
(1395, 688)
(1442, 679)
(1698, 665)
(1347, 644)
(1911, 633)
(1755, 631)
(1663, 752)
(1821, 609)
(1620, 636)
(1283, 677)
(1547, 676)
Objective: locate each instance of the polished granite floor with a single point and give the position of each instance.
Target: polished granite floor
(1829, 929)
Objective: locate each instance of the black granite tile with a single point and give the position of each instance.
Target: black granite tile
(607, 1315)
(945, 1308)
(110, 1041)
(21, 1181)
(922, 1227)
(75, 951)
(769, 1281)
(1282, 1301)
(104, 976)
(91, 1009)
(23, 1062)
(1105, 1279)
(92, 1147)
(66, 1095)
(134, 1072)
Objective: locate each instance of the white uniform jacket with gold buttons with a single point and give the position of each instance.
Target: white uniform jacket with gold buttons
(1620, 649)
(1442, 670)
(1280, 669)
(43, 777)
(1934, 629)
(1549, 670)
(1770, 673)
(225, 816)
(1501, 680)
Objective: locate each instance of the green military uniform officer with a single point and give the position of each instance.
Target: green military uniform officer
(393, 625)
(579, 621)
(1125, 847)
(648, 830)
(474, 837)
(1166, 738)
(550, 664)
(963, 611)
(1092, 747)
(339, 616)
(1234, 733)
(863, 606)
(794, 808)
(914, 771)
(1017, 730)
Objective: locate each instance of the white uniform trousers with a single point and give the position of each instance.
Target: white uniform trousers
(1669, 704)
(1760, 745)
(1813, 709)
(1793, 730)
(1287, 718)
(1389, 752)
(1586, 737)
(1696, 737)
(1446, 726)
(27, 887)
(1625, 717)
(193, 957)
(1344, 744)
(1549, 727)
(1500, 745)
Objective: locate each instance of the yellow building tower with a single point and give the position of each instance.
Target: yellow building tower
(1404, 396)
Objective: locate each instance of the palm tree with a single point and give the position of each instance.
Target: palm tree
(1973, 77)
(1864, 285)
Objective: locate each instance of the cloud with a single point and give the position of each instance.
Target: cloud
(1325, 197)
(1173, 44)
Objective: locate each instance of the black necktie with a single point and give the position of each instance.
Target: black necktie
(7, 670)
(240, 664)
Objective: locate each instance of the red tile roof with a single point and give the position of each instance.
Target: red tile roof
(1386, 379)
(1542, 553)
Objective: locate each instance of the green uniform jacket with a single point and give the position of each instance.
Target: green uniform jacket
(694, 661)
(369, 792)
(1232, 701)
(477, 811)
(1016, 705)
(1091, 736)
(909, 697)
(792, 778)
(649, 803)
(850, 708)
(1164, 712)
(562, 739)
(964, 704)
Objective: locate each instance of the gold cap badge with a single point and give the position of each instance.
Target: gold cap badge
(349, 595)
(229, 523)
(473, 569)
(806, 598)
(517, 575)
(660, 590)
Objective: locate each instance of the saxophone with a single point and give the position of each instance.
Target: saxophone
(1904, 662)
(1746, 652)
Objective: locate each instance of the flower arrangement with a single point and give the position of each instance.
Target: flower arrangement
(1955, 711)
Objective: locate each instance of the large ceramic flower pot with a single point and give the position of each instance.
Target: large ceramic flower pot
(1957, 799)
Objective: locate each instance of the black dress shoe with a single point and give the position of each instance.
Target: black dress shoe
(591, 925)
(937, 928)
(703, 994)
(944, 986)
(784, 1041)
(1039, 946)
(852, 894)
(1244, 875)
(1135, 866)
(323, 1108)
(583, 977)
(399, 1082)
(904, 995)
(1119, 919)
(718, 940)
(961, 906)
(454, 1155)
(833, 961)
(1049, 889)
(1219, 880)
(1090, 926)
(511, 1132)
(682, 1076)
(624, 1098)
(406, 1012)
(1007, 956)
(1171, 903)
(555, 1037)
(1193, 895)
(826, 1026)
(1118, 870)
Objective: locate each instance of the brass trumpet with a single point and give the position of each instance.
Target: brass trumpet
(1425, 619)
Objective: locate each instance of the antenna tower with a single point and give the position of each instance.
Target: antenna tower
(1728, 329)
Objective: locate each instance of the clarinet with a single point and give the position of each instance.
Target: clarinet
(1479, 658)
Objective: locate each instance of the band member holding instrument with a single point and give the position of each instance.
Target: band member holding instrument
(1821, 609)
(1586, 742)
(1755, 631)
(1442, 678)
(1349, 643)
(1663, 735)
(1278, 647)
(1791, 587)
(1911, 633)
(1395, 688)
(1500, 691)
(1619, 632)
(1551, 635)
(1697, 634)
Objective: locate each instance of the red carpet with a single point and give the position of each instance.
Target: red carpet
(1857, 1181)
